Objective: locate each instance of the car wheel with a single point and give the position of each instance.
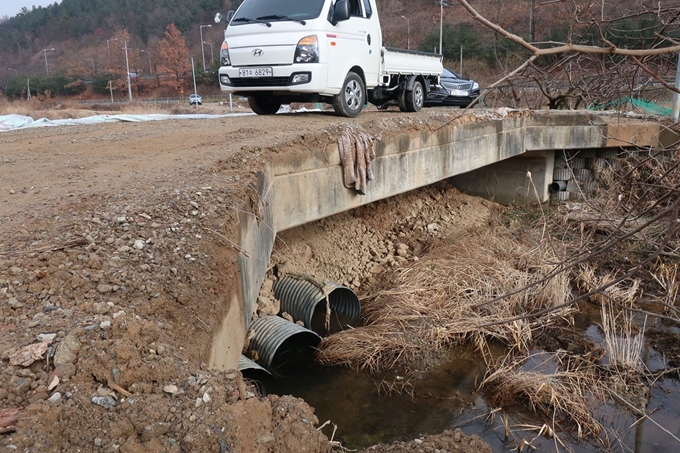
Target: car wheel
(264, 105)
(414, 99)
(350, 100)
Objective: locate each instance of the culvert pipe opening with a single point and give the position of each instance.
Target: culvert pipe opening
(557, 186)
(324, 308)
(252, 370)
(284, 348)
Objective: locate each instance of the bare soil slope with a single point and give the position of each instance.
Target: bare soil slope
(116, 257)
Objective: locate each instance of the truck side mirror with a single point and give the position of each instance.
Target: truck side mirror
(219, 18)
(340, 11)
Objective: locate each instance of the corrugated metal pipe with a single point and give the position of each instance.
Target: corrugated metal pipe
(557, 186)
(284, 348)
(324, 307)
(251, 370)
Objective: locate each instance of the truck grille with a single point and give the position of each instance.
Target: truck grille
(260, 82)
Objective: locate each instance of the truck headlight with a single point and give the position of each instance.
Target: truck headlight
(307, 50)
(224, 54)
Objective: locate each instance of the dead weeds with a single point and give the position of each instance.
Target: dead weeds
(459, 291)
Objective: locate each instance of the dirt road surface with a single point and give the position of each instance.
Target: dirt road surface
(116, 258)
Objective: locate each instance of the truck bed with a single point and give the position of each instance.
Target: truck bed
(403, 61)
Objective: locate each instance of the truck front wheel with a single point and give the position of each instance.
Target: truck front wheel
(351, 98)
(264, 105)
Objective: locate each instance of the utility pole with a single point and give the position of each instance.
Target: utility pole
(441, 24)
(461, 61)
(408, 32)
(202, 51)
(676, 96)
(108, 46)
(148, 55)
(193, 72)
(127, 65)
(47, 70)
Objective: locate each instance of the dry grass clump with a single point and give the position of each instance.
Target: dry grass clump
(666, 276)
(462, 290)
(568, 390)
(623, 339)
(142, 108)
(22, 107)
(565, 396)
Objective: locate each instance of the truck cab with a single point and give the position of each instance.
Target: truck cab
(277, 52)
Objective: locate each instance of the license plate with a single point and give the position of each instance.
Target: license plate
(255, 72)
(458, 92)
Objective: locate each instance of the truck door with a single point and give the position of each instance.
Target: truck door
(355, 42)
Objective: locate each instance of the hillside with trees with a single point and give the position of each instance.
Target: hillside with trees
(79, 47)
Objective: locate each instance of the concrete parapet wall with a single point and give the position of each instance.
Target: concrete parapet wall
(305, 191)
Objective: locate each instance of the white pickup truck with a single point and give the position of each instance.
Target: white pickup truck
(276, 52)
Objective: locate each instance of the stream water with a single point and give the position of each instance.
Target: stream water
(369, 410)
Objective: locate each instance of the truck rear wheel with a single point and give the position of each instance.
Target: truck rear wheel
(351, 98)
(415, 98)
(264, 105)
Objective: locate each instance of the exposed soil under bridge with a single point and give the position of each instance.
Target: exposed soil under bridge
(116, 256)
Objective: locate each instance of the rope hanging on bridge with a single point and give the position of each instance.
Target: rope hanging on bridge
(356, 154)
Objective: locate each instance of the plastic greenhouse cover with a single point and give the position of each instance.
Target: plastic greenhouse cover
(14, 122)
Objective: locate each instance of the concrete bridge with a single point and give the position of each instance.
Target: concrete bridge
(489, 157)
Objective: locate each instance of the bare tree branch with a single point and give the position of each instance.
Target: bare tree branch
(567, 47)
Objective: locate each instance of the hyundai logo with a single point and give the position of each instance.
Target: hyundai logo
(258, 52)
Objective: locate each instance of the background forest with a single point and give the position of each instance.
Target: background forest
(78, 47)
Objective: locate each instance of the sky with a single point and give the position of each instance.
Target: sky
(12, 7)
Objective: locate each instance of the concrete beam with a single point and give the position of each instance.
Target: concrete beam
(521, 180)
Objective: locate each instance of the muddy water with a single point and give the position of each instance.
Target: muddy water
(374, 409)
(369, 409)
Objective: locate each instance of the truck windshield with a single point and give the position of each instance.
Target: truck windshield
(277, 10)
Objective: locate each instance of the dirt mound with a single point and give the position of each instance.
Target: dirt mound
(374, 238)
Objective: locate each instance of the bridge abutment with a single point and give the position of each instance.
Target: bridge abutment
(492, 158)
